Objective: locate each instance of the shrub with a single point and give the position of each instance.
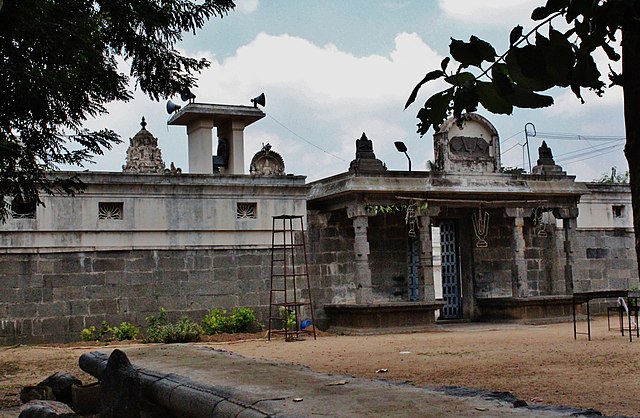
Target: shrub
(239, 320)
(288, 318)
(160, 331)
(126, 331)
(184, 331)
(91, 334)
(242, 320)
(215, 322)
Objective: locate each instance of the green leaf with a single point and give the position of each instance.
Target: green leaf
(611, 53)
(435, 111)
(586, 73)
(524, 98)
(515, 35)
(445, 63)
(540, 13)
(526, 67)
(492, 100)
(460, 78)
(471, 53)
(433, 75)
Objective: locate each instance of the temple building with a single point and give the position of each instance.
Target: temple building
(387, 249)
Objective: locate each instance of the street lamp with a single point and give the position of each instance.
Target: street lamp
(401, 147)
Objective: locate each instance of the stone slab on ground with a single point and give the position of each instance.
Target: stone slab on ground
(213, 379)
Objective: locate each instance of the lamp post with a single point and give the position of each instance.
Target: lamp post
(401, 147)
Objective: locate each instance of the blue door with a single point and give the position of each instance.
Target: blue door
(413, 265)
(450, 271)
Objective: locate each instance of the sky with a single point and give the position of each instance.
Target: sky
(333, 69)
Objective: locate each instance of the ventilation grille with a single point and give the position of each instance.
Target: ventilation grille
(246, 211)
(110, 210)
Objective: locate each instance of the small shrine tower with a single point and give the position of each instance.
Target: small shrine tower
(229, 121)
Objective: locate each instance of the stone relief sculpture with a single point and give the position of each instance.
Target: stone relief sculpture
(143, 154)
(267, 163)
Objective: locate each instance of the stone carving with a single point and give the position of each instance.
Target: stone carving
(221, 159)
(143, 154)
(546, 165)
(267, 163)
(469, 146)
(365, 157)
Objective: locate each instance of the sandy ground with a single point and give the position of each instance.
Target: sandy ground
(539, 364)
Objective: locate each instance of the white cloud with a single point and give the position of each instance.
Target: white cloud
(321, 95)
(247, 6)
(489, 12)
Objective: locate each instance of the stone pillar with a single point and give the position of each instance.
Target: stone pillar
(364, 291)
(519, 273)
(569, 223)
(200, 146)
(428, 293)
(233, 131)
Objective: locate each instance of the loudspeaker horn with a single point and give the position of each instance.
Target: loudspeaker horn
(260, 100)
(186, 95)
(172, 107)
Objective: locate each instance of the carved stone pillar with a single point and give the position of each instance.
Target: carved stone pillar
(569, 223)
(519, 273)
(364, 291)
(428, 293)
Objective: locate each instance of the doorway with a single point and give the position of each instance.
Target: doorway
(450, 271)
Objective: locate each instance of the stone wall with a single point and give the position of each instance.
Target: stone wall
(52, 297)
(388, 257)
(330, 248)
(605, 259)
(492, 264)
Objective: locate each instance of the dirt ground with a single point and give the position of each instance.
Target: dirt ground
(539, 364)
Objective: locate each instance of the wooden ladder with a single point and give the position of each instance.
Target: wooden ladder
(289, 270)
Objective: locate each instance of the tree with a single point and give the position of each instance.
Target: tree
(535, 62)
(59, 67)
(614, 177)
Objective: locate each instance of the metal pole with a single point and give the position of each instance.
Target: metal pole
(526, 140)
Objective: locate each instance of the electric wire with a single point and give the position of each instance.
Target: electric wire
(304, 139)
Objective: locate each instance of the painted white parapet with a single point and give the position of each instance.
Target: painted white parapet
(143, 211)
(229, 121)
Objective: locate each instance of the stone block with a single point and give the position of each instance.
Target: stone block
(79, 307)
(68, 293)
(54, 326)
(77, 324)
(32, 295)
(23, 310)
(70, 264)
(225, 274)
(249, 273)
(173, 303)
(200, 276)
(53, 309)
(139, 290)
(108, 264)
(137, 278)
(226, 301)
(102, 307)
(171, 263)
(103, 292)
(175, 276)
(202, 262)
(144, 262)
(45, 266)
(203, 288)
(224, 260)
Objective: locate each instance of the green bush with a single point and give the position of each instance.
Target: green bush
(288, 318)
(126, 331)
(91, 334)
(184, 331)
(160, 331)
(239, 320)
(242, 320)
(215, 322)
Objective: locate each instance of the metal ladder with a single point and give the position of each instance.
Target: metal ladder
(289, 269)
